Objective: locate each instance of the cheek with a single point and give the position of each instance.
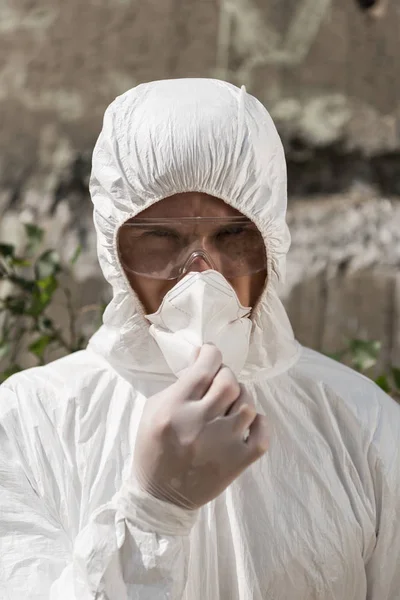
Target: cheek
(242, 287)
(249, 288)
(149, 291)
(258, 282)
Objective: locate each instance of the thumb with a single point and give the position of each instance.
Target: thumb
(192, 359)
(194, 355)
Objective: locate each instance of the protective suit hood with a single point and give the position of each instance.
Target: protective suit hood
(173, 136)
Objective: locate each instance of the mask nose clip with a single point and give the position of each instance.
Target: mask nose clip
(194, 256)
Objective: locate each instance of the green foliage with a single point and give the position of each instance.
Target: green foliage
(362, 355)
(31, 281)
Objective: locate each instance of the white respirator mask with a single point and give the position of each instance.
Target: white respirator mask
(202, 308)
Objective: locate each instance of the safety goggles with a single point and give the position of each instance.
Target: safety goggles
(169, 248)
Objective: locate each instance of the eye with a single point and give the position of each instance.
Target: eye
(230, 231)
(161, 233)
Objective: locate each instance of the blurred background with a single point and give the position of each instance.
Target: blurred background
(327, 70)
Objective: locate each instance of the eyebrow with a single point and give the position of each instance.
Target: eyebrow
(161, 227)
(149, 227)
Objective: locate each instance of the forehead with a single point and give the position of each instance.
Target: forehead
(189, 204)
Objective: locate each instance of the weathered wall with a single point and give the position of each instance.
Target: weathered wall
(329, 74)
(343, 277)
(323, 69)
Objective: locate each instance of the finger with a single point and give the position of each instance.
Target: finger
(244, 398)
(242, 418)
(195, 382)
(221, 395)
(258, 441)
(193, 357)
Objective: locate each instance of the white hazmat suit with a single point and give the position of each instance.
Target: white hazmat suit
(317, 517)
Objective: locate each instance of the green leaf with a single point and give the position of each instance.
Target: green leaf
(363, 361)
(396, 377)
(38, 347)
(364, 353)
(76, 254)
(20, 262)
(5, 348)
(35, 237)
(42, 295)
(47, 265)
(48, 285)
(7, 250)
(10, 371)
(372, 347)
(25, 284)
(33, 232)
(16, 305)
(383, 383)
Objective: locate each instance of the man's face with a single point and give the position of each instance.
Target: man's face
(189, 204)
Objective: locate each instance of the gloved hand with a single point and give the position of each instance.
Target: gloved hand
(191, 438)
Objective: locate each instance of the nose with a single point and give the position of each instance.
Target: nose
(198, 264)
(198, 261)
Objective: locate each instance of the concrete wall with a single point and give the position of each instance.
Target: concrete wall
(327, 72)
(343, 277)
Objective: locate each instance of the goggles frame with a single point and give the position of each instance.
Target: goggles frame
(199, 252)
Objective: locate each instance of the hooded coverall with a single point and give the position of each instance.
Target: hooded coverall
(317, 517)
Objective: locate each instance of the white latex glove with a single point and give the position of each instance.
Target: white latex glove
(191, 439)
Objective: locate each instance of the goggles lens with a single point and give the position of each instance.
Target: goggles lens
(168, 248)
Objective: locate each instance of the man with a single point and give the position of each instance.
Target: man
(195, 450)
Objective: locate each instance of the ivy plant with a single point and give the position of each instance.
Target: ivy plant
(28, 283)
(362, 355)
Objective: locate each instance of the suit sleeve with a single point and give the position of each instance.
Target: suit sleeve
(133, 547)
